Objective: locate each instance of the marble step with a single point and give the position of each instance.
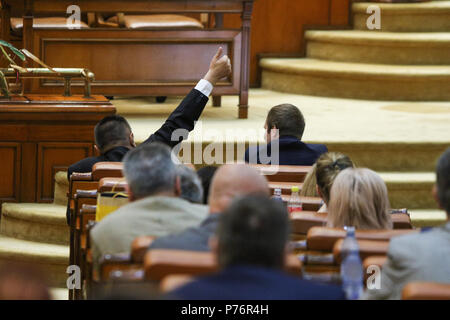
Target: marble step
(51, 259)
(410, 190)
(38, 222)
(356, 80)
(380, 47)
(431, 16)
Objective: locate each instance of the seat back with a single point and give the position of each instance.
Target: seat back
(426, 291)
(367, 248)
(273, 173)
(107, 170)
(160, 263)
(301, 222)
(324, 238)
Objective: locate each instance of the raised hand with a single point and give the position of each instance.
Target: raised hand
(220, 67)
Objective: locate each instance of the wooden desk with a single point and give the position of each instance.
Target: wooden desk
(139, 62)
(40, 136)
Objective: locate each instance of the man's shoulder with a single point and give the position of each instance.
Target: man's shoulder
(84, 165)
(317, 147)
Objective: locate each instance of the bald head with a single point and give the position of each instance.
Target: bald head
(234, 180)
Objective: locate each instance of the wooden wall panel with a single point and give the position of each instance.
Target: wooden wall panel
(54, 157)
(10, 154)
(278, 25)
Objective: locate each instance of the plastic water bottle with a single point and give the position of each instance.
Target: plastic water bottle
(351, 267)
(277, 195)
(294, 204)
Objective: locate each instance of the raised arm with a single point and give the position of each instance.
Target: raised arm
(190, 109)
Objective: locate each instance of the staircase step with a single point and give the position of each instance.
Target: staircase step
(410, 190)
(421, 218)
(52, 259)
(59, 293)
(431, 16)
(39, 222)
(380, 47)
(356, 80)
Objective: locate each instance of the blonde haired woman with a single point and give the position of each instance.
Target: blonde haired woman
(327, 167)
(359, 198)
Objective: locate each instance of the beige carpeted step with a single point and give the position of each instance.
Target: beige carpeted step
(421, 218)
(380, 47)
(410, 190)
(35, 222)
(410, 17)
(50, 258)
(59, 293)
(356, 80)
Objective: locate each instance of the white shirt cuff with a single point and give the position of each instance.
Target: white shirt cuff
(205, 87)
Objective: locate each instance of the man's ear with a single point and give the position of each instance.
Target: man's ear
(97, 150)
(177, 186)
(131, 196)
(274, 133)
(132, 143)
(436, 197)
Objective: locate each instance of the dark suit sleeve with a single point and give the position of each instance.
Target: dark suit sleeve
(84, 165)
(183, 117)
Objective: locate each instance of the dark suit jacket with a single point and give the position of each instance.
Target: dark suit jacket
(247, 282)
(292, 151)
(192, 239)
(183, 117)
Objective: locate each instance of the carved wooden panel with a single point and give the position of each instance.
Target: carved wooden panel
(10, 155)
(54, 157)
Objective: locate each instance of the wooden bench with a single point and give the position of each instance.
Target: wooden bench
(161, 263)
(426, 291)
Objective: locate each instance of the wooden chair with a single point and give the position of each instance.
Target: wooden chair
(292, 174)
(426, 291)
(161, 263)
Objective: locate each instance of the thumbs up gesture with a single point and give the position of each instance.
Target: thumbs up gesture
(220, 67)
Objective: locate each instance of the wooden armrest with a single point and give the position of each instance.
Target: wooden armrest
(83, 176)
(86, 194)
(139, 248)
(107, 169)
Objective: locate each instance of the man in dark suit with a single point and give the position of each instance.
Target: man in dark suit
(229, 182)
(252, 238)
(284, 127)
(113, 135)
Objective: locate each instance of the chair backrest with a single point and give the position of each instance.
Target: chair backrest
(273, 173)
(106, 170)
(367, 248)
(160, 263)
(139, 248)
(401, 221)
(426, 291)
(112, 184)
(324, 238)
(301, 222)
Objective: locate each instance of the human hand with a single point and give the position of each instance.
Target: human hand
(220, 67)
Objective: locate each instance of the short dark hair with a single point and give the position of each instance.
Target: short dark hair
(288, 119)
(149, 169)
(254, 230)
(111, 131)
(206, 174)
(443, 180)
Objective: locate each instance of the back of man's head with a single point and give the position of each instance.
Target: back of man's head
(235, 180)
(288, 119)
(191, 186)
(443, 180)
(112, 131)
(254, 230)
(149, 170)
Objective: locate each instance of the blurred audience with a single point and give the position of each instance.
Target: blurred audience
(285, 125)
(251, 248)
(191, 185)
(422, 256)
(20, 281)
(155, 207)
(328, 167)
(229, 182)
(359, 198)
(206, 175)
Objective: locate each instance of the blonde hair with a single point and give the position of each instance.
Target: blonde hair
(328, 167)
(309, 184)
(359, 198)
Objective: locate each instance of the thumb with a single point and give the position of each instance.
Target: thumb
(218, 53)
